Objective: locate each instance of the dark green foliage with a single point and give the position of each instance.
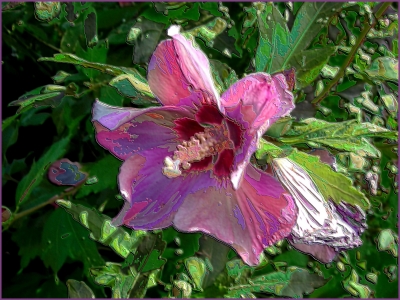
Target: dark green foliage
(59, 57)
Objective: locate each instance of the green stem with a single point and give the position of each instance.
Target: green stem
(350, 56)
(67, 192)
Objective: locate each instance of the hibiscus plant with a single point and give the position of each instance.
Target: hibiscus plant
(243, 150)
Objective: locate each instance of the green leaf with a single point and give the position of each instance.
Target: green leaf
(356, 289)
(10, 130)
(105, 179)
(148, 254)
(384, 68)
(109, 69)
(331, 184)
(197, 270)
(101, 229)
(124, 282)
(39, 169)
(280, 127)
(145, 35)
(293, 283)
(223, 75)
(96, 55)
(50, 95)
(131, 85)
(79, 289)
(90, 27)
(238, 269)
(309, 63)
(349, 136)
(274, 39)
(280, 50)
(387, 241)
(29, 241)
(63, 237)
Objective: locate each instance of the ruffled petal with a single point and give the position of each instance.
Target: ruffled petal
(179, 74)
(125, 131)
(249, 219)
(318, 221)
(152, 199)
(256, 102)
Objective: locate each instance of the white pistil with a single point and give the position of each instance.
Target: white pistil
(171, 169)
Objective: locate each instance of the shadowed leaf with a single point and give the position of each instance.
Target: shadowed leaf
(101, 229)
(293, 283)
(38, 169)
(63, 237)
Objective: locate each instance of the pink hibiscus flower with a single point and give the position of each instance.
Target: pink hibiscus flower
(187, 163)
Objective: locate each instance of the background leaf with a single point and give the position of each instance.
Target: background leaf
(63, 237)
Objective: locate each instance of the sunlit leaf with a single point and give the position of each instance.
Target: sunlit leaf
(101, 229)
(238, 269)
(79, 289)
(384, 68)
(388, 241)
(349, 136)
(331, 184)
(352, 285)
(131, 85)
(280, 50)
(50, 95)
(124, 282)
(196, 268)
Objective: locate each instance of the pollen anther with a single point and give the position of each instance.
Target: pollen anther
(210, 142)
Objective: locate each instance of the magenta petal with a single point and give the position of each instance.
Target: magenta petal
(152, 198)
(126, 131)
(249, 219)
(262, 99)
(194, 63)
(256, 102)
(177, 69)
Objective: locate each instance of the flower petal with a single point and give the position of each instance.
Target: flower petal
(261, 100)
(124, 131)
(152, 198)
(318, 221)
(256, 102)
(249, 219)
(177, 70)
(322, 253)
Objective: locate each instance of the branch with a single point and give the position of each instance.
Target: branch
(350, 57)
(67, 192)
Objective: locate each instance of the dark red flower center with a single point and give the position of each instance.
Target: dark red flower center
(209, 142)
